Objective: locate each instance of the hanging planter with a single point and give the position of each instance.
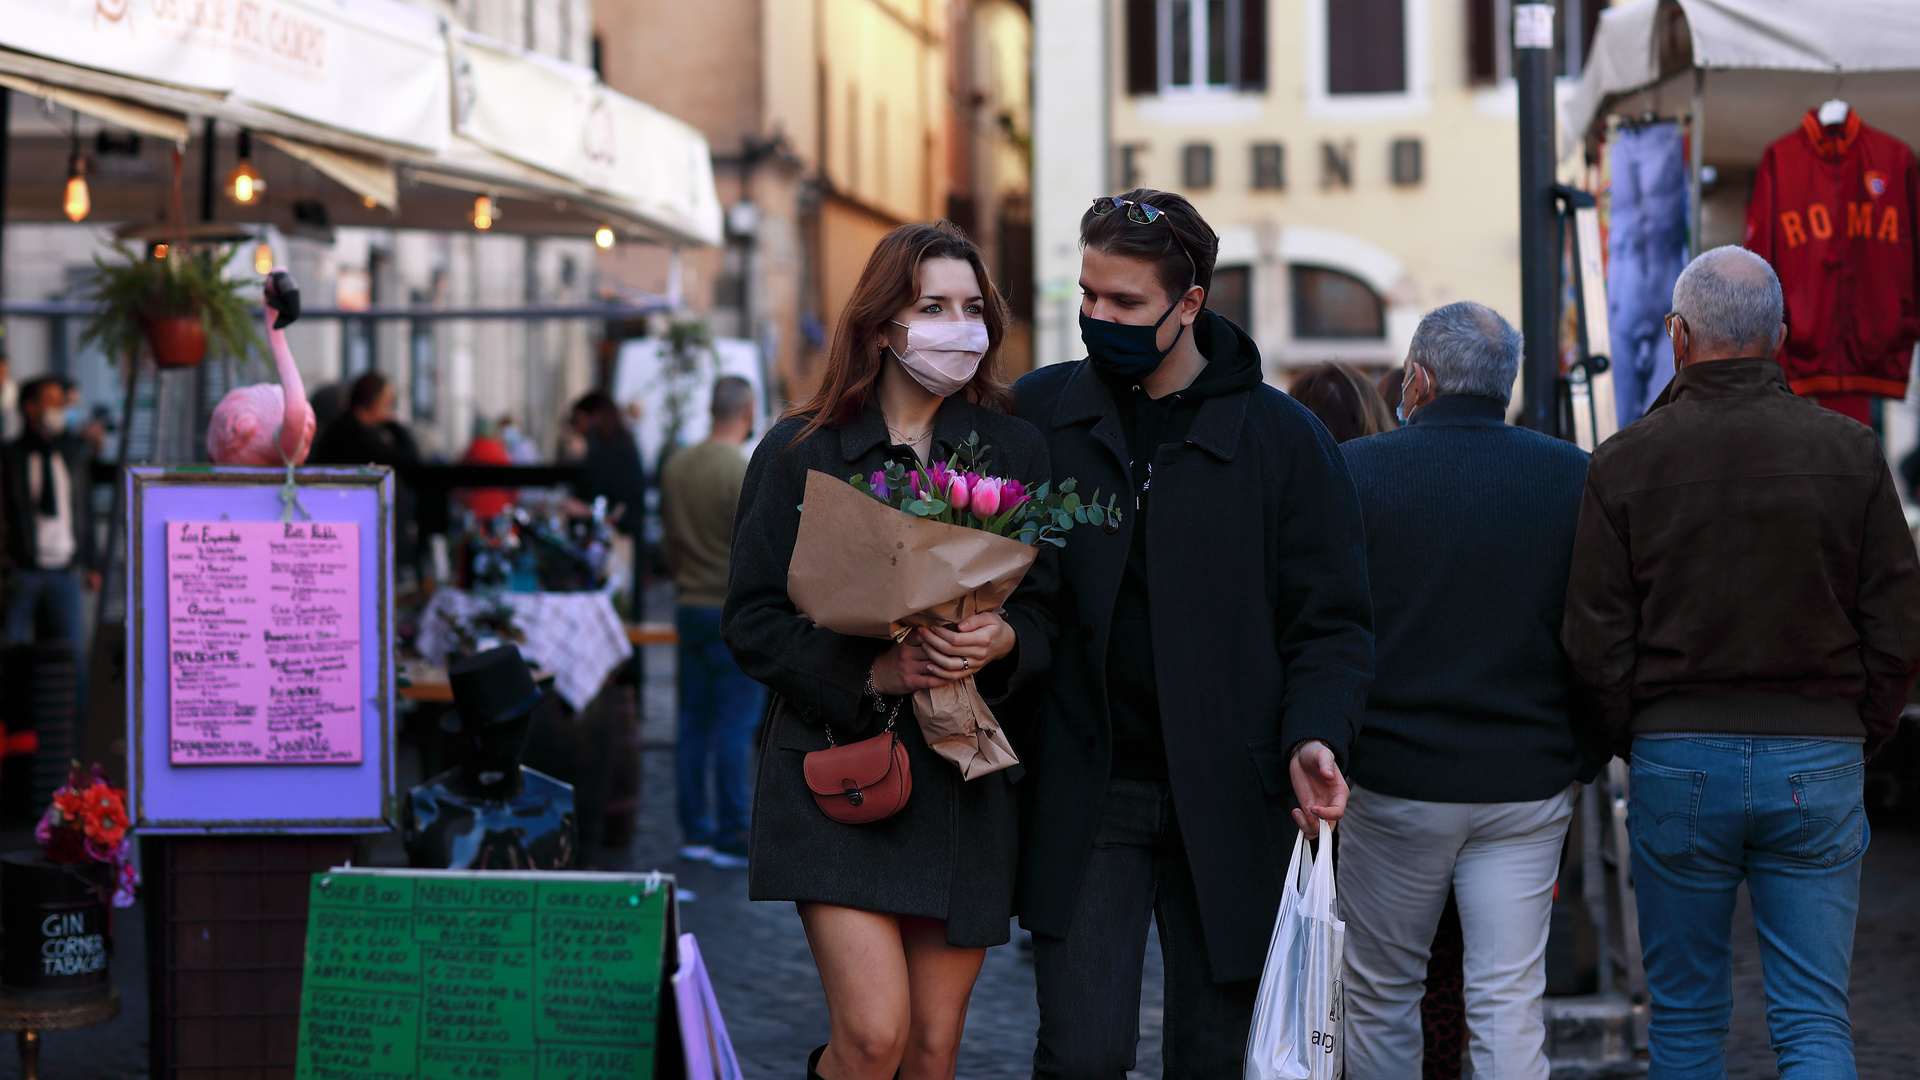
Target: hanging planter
(177, 342)
(180, 305)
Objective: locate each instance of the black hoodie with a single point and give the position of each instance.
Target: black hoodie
(1233, 365)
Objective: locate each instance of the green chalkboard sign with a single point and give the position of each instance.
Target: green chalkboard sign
(468, 975)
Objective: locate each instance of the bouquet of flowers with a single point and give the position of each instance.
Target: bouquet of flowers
(905, 547)
(87, 823)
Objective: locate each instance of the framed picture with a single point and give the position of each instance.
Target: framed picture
(260, 650)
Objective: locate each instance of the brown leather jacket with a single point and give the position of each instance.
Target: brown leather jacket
(1739, 539)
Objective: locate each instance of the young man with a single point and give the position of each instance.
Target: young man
(719, 706)
(1214, 658)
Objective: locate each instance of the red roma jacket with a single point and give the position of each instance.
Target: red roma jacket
(1834, 214)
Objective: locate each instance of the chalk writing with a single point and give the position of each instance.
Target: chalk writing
(481, 977)
(263, 642)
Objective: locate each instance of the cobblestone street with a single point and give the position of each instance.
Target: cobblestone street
(771, 997)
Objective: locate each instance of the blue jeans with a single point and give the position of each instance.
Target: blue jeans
(719, 709)
(1786, 816)
(50, 598)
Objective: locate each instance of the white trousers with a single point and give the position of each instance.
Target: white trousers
(1396, 859)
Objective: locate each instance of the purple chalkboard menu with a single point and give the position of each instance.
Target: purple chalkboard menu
(260, 682)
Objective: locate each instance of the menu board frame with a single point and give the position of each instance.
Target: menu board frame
(256, 798)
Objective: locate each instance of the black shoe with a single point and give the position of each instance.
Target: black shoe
(813, 1062)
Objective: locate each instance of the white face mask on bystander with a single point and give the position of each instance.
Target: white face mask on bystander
(942, 356)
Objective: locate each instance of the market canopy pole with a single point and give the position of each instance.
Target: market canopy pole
(1539, 324)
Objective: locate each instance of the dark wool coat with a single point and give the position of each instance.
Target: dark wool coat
(1262, 638)
(950, 853)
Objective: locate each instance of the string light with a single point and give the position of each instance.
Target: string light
(159, 251)
(263, 259)
(77, 202)
(244, 183)
(603, 237)
(483, 213)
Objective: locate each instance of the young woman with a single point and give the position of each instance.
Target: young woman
(899, 912)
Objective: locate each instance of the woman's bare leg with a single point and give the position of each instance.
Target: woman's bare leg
(940, 978)
(864, 971)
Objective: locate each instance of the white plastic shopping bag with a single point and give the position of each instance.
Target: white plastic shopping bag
(1297, 1016)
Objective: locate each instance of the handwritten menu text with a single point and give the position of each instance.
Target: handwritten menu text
(263, 642)
(436, 975)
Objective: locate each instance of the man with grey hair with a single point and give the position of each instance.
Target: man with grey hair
(1744, 610)
(1463, 774)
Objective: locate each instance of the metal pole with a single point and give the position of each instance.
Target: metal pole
(6, 133)
(1697, 152)
(1539, 324)
(209, 161)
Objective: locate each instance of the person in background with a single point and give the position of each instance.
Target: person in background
(93, 429)
(1744, 609)
(719, 706)
(48, 478)
(1343, 400)
(368, 433)
(10, 426)
(520, 449)
(486, 449)
(1463, 773)
(329, 403)
(609, 461)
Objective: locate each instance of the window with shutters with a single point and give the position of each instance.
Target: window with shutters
(1367, 58)
(1196, 165)
(1366, 46)
(1196, 46)
(1231, 294)
(1329, 304)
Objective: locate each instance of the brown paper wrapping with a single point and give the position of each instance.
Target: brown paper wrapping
(862, 568)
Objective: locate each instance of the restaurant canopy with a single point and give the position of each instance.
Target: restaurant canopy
(1756, 65)
(364, 92)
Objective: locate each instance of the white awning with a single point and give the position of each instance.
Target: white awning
(376, 68)
(163, 124)
(1762, 64)
(562, 119)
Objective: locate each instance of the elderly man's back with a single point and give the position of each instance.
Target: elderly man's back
(1463, 769)
(1743, 541)
(1744, 607)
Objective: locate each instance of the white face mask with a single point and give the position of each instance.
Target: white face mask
(942, 356)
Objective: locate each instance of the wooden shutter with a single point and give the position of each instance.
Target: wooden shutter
(1483, 65)
(1143, 48)
(1366, 46)
(1253, 44)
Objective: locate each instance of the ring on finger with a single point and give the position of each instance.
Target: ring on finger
(965, 664)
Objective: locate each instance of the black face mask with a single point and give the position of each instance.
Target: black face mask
(1125, 350)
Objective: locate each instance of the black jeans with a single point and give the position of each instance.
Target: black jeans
(1089, 981)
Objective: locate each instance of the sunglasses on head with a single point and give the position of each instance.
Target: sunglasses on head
(1144, 214)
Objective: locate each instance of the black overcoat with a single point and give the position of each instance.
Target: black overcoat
(1262, 638)
(950, 854)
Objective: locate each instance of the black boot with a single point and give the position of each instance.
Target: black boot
(813, 1062)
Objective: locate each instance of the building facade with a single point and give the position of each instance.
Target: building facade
(1357, 157)
(831, 122)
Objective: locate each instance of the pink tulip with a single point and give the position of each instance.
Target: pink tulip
(957, 493)
(986, 497)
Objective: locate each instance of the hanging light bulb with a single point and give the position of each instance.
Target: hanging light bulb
(78, 203)
(263, 259)
(159, 251)
(244, 183)
(603, 237)
(483, 213)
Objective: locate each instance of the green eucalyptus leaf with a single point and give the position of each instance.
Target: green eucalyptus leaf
(1067, 485)
(1095, 515)
(1080, 515)
(1070, 503)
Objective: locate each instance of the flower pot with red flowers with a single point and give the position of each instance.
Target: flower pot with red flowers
(56, 902)
(179, 305)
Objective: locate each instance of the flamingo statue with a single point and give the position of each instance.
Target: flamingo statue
(264, 424)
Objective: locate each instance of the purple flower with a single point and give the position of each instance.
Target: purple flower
(878, 482)
(1012, 494)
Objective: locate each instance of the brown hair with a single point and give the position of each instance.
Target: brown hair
(891, 281)
(1344, 400)
(1181, 234)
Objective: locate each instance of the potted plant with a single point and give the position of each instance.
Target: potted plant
(56, 901)
(178, 305)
